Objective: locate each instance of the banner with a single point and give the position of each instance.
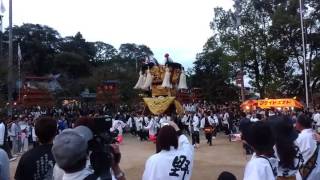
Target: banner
(268, 103)
(158, 105)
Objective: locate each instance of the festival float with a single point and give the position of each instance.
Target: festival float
(162, 83)
(38, 91)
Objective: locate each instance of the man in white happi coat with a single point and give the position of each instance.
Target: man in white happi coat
(308, 147)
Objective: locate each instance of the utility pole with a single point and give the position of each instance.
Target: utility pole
(10, 63)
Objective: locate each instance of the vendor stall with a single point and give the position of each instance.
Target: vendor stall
(250, 105)
(279, 103)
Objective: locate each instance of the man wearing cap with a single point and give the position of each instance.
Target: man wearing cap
(38, 163)
(70, 150)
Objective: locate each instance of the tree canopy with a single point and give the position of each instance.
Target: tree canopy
(267, 42)
(81, 64)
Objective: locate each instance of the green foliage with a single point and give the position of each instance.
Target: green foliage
(104, 52)
(212, 72)
(77, 44)
(134, 51)
(82, 64)
(71, 64)
(267, 43)
(39, 44)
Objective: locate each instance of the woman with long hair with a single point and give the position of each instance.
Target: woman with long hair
(286, 150)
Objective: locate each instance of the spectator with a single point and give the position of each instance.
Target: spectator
(244, 127)
(308, 147)
(34, 136)
(4, 144)
(70, 150)
(4, 165)
(286, 150)
(263, 165)
(316, 119)
(62, 124)
(226, 176)
(15, 137)
(2, 132)
(38, 163)
(174, 157)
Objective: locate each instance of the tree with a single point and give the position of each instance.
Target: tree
(134, 51)
(39, 44)
(212, 72)
(104, 52)
(78, 45)
(268, 43)
(72, 65)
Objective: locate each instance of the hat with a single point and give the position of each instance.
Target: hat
(71, 146)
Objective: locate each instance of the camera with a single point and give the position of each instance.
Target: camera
(102, 154)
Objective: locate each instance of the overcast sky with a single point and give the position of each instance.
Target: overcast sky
(179, 27)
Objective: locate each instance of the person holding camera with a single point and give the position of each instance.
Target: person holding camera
(174, 157)
(71, 152)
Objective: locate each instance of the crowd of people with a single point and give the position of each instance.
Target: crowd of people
(283, 144)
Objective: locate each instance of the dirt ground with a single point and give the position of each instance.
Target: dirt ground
(209, 162)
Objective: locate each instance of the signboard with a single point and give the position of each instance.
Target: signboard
(267, 103)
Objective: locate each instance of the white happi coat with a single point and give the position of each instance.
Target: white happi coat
(308, 145)
(163, 121)
(195, 123)
(138, 121)
(152, 127)
(203, 122)
(130, 122)
(260, 169)
(119, 125)
(171, 165)
(184, 120)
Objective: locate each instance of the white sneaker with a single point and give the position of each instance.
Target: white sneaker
(15, 155)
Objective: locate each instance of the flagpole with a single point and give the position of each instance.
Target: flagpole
(10, 62)
(19, 72)
(1, 21)
(2, 11)
(304, 55)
